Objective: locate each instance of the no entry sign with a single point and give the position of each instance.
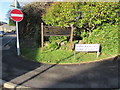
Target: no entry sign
(16, 15)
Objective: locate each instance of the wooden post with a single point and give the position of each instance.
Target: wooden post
(42, 37)
(71, 37)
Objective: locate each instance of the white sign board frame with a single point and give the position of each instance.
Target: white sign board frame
(87, 48)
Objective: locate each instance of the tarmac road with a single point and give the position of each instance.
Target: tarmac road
(6, 39)
(102, 74)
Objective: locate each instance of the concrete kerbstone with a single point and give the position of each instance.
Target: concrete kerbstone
(10, 85)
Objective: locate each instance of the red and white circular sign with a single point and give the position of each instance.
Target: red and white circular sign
(16, 15)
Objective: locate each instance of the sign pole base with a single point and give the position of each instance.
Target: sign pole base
(74, 55)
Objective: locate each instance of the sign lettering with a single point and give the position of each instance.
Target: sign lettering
(87, 48)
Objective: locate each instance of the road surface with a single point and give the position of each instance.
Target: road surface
(3, 42)
(6, 39)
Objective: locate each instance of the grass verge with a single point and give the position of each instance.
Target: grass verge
(60, 56)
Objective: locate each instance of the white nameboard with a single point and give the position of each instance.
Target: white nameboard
(87, 48)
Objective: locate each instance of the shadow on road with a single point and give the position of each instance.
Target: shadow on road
(13, 65)
(51, 66)
(102, 74)
(95, 75)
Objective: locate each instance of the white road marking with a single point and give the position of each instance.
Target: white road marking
(17, 15)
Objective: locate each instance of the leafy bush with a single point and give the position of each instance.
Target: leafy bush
(55, 41)
(51, 46)
(57, 38)
(107, 36)
(88, 15)
(11, 22)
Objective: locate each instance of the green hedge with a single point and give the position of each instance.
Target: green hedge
(107, 36)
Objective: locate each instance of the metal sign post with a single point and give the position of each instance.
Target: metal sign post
(17, 16)
(18, 46)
